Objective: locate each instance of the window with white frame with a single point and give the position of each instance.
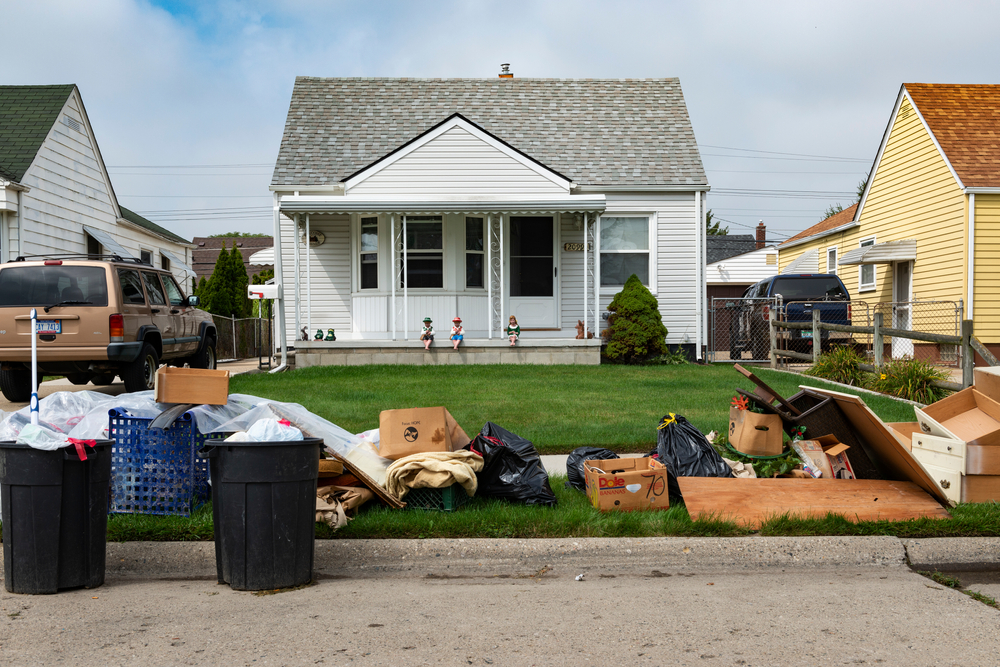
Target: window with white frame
(145, 256)
(424, 245)
(474, 252)
(624, 249)
(164, 262)
(866, 272)
(368, 259)
(831, 260)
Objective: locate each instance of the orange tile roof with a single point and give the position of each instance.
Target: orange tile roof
(965, 120)
(834, 221)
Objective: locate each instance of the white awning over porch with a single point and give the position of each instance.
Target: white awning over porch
(881, 253)
(291, 204)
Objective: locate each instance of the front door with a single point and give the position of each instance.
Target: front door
(902, 309)
(532, 284)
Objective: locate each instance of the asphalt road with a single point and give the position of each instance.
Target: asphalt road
(624, 615)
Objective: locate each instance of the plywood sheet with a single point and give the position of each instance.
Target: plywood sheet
(894, 460)
(750, 502)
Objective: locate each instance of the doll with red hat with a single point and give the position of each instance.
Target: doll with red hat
(457, 332)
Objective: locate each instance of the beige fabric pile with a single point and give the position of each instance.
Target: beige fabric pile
(433, 470)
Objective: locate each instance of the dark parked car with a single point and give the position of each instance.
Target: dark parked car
(797, 296)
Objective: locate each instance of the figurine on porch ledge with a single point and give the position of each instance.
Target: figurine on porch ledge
(319, 334)
(513, 330)
(427, 333)
(330, 336)
(580, 328)
(457, 332)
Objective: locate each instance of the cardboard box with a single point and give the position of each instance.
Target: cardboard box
(755, 434)
(626, 484)
(200, 386)
(969, 416)
(829, 455)
(417, 430)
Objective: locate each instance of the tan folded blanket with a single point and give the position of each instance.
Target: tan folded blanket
(433, 470)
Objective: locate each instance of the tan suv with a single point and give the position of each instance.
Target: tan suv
(97, 318)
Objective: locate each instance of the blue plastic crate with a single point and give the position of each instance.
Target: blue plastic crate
(154, 470)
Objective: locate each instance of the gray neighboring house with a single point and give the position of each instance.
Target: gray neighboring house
(55, 193)
(486, 198)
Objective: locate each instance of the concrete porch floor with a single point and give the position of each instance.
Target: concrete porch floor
(544, 351)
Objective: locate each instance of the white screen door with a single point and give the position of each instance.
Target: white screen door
(902, 309)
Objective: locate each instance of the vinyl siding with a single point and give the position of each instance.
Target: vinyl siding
(330, 269)
(986, 302)
(456, 163)
(744, 269)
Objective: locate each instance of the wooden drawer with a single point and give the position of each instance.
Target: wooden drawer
(929, 457)
(934, 443)
(950, 481)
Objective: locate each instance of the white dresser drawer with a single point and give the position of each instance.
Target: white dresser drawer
(935, 443)
(930, 457)
(950, 481)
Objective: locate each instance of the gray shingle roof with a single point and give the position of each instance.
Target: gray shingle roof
(26, 116)
(615, 132)
(134, 217)
(718, 248)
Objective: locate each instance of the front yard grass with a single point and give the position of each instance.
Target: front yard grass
(559, 408)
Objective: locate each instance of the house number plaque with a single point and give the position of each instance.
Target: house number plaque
(576, 247)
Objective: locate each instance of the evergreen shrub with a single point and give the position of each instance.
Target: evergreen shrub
(635, 330)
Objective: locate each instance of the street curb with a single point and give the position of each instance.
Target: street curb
(527, 558)
(954, 553)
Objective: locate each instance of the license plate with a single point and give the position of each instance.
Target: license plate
(807, 334)
(49, 326)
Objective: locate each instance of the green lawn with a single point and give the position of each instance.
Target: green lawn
(558, 408)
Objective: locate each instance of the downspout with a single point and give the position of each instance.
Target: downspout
(279, 281)
(699, 229)
(298, 272)
(309, 298)
(972, 254)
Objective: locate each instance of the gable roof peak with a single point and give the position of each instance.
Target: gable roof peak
(27, 113)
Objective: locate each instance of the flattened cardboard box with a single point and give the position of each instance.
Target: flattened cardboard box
(418, 430)
(755, 434)
(626, 484)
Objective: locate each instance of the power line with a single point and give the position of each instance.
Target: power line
(753, 150)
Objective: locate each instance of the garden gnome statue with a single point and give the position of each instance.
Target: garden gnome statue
(319, 334)
(457, 332)
(513, 330)
(427, 333)
(330, 335)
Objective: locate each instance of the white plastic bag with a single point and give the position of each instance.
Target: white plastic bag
(39, 437)
(272, 430)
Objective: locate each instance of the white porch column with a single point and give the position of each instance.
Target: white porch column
(502, 272)
(298, 290)
(282, 336)
(488, 271)
(584, 318)
(392, 273)
(406, 288)
(597, 276)
(309, 298)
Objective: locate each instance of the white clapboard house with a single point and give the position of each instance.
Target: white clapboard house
(484, 198)
(55, 193)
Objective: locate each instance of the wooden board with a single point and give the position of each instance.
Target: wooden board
(752, 501)
(894, 460)
(766, 390)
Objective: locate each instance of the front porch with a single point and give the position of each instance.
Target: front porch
(541, 351)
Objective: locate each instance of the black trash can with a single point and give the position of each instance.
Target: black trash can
(264, 507)
(55, 517)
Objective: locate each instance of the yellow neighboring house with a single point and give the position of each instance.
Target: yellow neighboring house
(927, 227)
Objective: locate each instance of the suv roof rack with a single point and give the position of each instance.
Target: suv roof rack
(111, 257)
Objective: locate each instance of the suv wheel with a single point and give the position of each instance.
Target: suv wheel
(16, 385)
(205, 358)
(140, 375)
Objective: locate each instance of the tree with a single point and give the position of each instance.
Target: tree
(861, 188)
(635, 330)
(261, 307)
(714, 229)
(218, 296)
(237, 235)
(832, 210)
(240, 280)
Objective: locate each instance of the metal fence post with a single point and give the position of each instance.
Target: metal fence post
(877, 339)
(773, 354)
(968, 354)
(817, 339)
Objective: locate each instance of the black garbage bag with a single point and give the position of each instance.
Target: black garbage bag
(574, 464)
(512, 469)
(686, 452)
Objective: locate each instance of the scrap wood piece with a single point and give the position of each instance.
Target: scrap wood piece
(752, 501)
(362, 476)
(893, 458)
(770, 392)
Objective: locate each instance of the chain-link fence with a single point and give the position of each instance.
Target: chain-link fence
(935, 317)
(738, 329)
(242, 338)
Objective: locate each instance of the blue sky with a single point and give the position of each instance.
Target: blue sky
(789, 100)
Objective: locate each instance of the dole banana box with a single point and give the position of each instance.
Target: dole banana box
(626, 484)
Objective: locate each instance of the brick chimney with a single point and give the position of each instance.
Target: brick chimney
(505, 72)
(761, 235)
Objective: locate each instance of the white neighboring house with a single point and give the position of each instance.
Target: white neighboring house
(485, 198)
(55, 194)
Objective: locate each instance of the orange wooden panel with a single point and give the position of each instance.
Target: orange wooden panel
(752, 501)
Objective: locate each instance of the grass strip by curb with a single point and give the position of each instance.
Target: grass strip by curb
(953, 582)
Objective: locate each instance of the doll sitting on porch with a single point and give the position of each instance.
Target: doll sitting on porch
(427, 333)
(513, 330)
(457, 332)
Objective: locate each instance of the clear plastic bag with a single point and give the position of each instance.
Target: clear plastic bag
(273, 430)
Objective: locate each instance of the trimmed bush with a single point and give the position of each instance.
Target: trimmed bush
(841, 364)
(635, 330)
